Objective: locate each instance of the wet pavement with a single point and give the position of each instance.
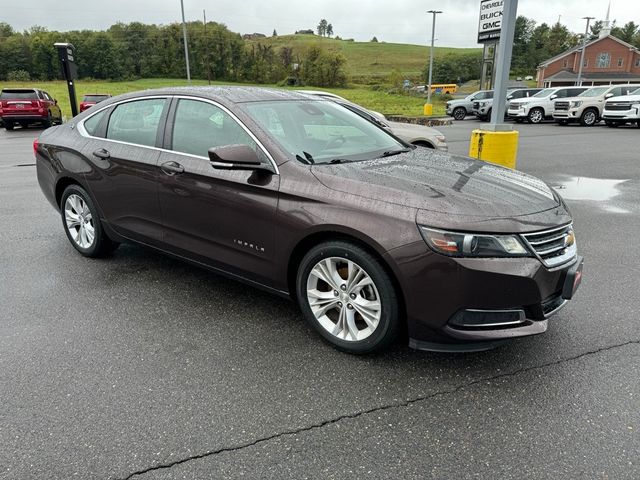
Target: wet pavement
(140, 366)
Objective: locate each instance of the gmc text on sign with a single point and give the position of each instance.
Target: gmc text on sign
(490, 20)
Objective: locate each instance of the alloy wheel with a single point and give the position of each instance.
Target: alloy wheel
(459, 113)
(79, 221)
(535, 116)
(589, 118)
(344, 299)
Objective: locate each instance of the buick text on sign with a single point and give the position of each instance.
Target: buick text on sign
(490, 20)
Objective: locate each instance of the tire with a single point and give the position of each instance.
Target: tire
(326, 302)
(48, 122)
(589, 118)
(8, 125)
(487, 117)
(536, 115)
(611, 124)
(459, 113)
(82, 224)
(562, 122)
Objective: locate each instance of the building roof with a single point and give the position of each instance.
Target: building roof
(566, 75)
(577, 48)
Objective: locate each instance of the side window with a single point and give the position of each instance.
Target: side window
(561, 93)
(92, 124)
(136, 122)
(199, 126)
(618, 91)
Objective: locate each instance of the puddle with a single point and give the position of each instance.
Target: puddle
(592, 189)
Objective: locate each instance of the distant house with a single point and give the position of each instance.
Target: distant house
(253, 36)
(305, 32)
(607, 60)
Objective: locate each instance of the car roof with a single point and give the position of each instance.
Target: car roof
(226, 94)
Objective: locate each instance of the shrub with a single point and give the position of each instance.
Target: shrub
(18, 76)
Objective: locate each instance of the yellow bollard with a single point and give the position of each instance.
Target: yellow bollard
(500, 148)
(428, 109)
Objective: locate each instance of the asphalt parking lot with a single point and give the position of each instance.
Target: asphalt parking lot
(143, 367)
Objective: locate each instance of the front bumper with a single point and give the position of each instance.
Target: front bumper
(519, 113)
(569, 115)
(463, 303)
(622, 116)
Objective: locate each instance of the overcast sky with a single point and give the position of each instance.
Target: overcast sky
(401, 21)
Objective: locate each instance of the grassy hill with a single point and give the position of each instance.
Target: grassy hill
(368, 62)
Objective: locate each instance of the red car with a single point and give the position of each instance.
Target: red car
(90, 100)
(28, 105)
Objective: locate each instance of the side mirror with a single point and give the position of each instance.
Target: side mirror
(234, 157)
(608, 95)
(509, 97)
(553, 97)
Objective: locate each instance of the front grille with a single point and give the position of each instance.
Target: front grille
(562, 105)
(553, 247)
(514, 105)
(620, 106)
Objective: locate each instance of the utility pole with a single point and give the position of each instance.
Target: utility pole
(433, 33)
(584, 45)
(206, 47)
(186, 47)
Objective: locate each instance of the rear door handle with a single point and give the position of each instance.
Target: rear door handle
(102, 153)
(171, 168)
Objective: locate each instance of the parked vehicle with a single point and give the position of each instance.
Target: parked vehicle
(91, 100)
(462, 107)
(301, 196)
(528, 77)
(587, 107)
(540, 106)
(482, 108)
(623, 109)
(418, 135)
(24, 106)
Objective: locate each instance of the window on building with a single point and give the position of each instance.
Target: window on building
(585, 63)
(620, 62)
(638, 62)
(603, 60)
(565, 63)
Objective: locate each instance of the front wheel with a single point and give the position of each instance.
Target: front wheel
(459, 113)
(589, 118)
(348, 297)
(536, 115)
(82, 224)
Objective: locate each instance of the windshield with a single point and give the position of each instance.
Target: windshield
(320, 132)
(19, 94)
(635, 92)
(594, 92)
(545, 93)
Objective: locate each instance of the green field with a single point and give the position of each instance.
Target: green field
(375, 100)
(369, 59)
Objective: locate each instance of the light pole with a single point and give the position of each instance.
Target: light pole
(433, 33)
(184, 36)
(584, 44)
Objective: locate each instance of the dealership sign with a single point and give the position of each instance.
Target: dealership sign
(490, 20)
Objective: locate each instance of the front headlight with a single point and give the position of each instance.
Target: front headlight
(457, 244)
(576, 104)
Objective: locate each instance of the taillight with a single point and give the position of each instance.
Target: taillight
(35, 147)
(42, 106)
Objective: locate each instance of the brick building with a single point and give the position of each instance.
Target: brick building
(607, 60)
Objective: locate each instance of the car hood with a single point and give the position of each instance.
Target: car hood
(624, 98)
(437, 182)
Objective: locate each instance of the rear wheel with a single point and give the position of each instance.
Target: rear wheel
(589, 117)
(536, 115)
(8, 125)
(459, 113)
(48, 122)
(82, 224)
(348, 297)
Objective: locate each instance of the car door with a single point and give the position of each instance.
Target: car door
(122, 150)
(224, 218)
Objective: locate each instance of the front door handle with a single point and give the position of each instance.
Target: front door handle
(102, 153)
(171, 168)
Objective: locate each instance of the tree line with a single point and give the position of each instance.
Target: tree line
(137, 50)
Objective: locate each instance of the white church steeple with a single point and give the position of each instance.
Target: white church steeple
(606, 26)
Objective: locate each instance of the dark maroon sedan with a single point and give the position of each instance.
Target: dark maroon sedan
(372, 237)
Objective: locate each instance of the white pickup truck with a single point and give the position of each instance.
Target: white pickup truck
(587, 108)
(623, 109)
(535, 109)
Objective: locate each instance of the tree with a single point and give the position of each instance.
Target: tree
(329, 30)
(322, 27)
(595, 28)
(275, 34)
(374, 40)
(626, 33)
(522, 37)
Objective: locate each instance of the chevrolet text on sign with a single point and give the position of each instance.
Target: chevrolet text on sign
(490, 20)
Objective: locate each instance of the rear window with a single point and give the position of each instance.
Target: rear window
(94, 98)
(8, 94)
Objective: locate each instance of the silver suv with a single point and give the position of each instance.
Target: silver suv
(587, 108)
(462, 107)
